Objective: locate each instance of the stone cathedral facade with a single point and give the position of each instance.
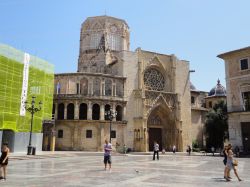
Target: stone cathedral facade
(149, 91)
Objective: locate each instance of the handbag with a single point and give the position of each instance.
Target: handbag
(235, 162)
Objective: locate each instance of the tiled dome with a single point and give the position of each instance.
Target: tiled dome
(218, 90)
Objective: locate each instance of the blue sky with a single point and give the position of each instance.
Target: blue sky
(193, 30)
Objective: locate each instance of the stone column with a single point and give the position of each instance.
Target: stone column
(114, 109)
(124, 113)
(103, 87)
(76, 110)
(89, 117)
(92, 86)
(102, 111)
(113, 89)
(101, 138)
(65, 110)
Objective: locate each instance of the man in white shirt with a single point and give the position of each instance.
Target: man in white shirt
(107, 154)
(156, 150)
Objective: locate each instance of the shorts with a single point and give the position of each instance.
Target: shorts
(229, 164)
(107, 159)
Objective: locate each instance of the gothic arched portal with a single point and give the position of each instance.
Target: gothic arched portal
(162, 128)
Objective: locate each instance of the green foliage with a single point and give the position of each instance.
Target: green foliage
(216, 125)
(195, 144)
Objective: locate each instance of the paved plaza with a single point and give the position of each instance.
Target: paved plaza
(81, 169)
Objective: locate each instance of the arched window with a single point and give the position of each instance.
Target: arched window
(60, 112)
(96, 87)
(108, 87)
(119, 89)
(83, 111)
(192, 100)
(107, 108)
(96, 112)
(119, 113)
(84, 86)
(70, 111)
(154, 80)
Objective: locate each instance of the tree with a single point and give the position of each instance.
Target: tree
(216, 125)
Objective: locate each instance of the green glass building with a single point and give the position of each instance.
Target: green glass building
(21, 77)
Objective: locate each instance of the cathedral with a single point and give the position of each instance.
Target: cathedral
(148, 94)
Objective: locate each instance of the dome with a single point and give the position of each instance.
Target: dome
(218, 90)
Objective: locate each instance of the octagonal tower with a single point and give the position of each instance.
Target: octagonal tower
(101, 38)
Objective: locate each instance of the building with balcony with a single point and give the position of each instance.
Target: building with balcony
(237, 67)
(149, 91)
(198, 115)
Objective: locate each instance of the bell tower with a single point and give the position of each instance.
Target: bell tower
(101, 38)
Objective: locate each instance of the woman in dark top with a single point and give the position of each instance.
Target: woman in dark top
(4, 161)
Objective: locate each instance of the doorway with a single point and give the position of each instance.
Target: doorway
(155, 134)
(245, 129)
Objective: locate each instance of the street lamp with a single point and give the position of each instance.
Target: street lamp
(32, 109)
(111, 114)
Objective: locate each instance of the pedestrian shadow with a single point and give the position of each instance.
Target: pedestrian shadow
(219, 179)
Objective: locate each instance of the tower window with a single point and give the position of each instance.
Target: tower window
(244, 64)
(192, 99)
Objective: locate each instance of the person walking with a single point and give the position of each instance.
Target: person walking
(4, 161)
(107, 154)
(174, 149)
(225, 163)
(156, 150)
(230, 164)
(189, 150)
(212, 150)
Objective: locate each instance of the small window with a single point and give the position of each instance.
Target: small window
(246, 100)
(244, 64)
(60, 134)
(88, 133)
(210, 104)
(192, 99)
(113, 134)
(77, 88)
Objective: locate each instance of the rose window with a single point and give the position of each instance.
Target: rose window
(154, 80)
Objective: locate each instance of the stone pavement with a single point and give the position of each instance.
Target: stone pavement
(85, 169)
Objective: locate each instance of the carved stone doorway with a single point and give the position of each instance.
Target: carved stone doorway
(161, 127)
(155, 134)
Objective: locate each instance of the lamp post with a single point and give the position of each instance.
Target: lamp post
(111, 114)
(32, 109)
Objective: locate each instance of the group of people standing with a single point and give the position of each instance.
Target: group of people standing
(230, 163)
